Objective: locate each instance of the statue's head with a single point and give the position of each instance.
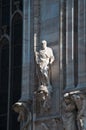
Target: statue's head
(44, 44)
(20, 108)
(67, 98)
(76, 96)
(16, 107)
(42, 93)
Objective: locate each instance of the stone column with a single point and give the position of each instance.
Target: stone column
(26, 51)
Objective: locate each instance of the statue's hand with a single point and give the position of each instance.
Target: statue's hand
(50, 62)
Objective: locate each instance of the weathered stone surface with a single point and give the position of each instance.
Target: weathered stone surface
(53, 21)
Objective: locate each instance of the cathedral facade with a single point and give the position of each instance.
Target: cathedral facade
(37, 94)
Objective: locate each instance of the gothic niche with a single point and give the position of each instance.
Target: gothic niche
(74, 110)
(24, 111)
(44, 59)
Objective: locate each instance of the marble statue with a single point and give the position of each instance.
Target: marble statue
(68, 113)
(24, 116)
(44, 59)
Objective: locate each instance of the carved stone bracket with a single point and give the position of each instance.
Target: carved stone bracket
(24, 111)
(74, 110)
(43, 96)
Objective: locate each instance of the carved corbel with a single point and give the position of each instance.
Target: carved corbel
(24, 111)
(80, 101)
(43, 96)
(68, 113)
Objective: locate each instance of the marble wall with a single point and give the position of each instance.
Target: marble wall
(41, 21)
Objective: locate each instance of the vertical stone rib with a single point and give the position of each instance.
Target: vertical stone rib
(63, 43)
(62, 49)
(75, 42)
(36, 35)
(26, 51)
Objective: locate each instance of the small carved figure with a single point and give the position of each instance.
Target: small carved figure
(43, 97)
(24, 114)
(80, 100)
(68, 113)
